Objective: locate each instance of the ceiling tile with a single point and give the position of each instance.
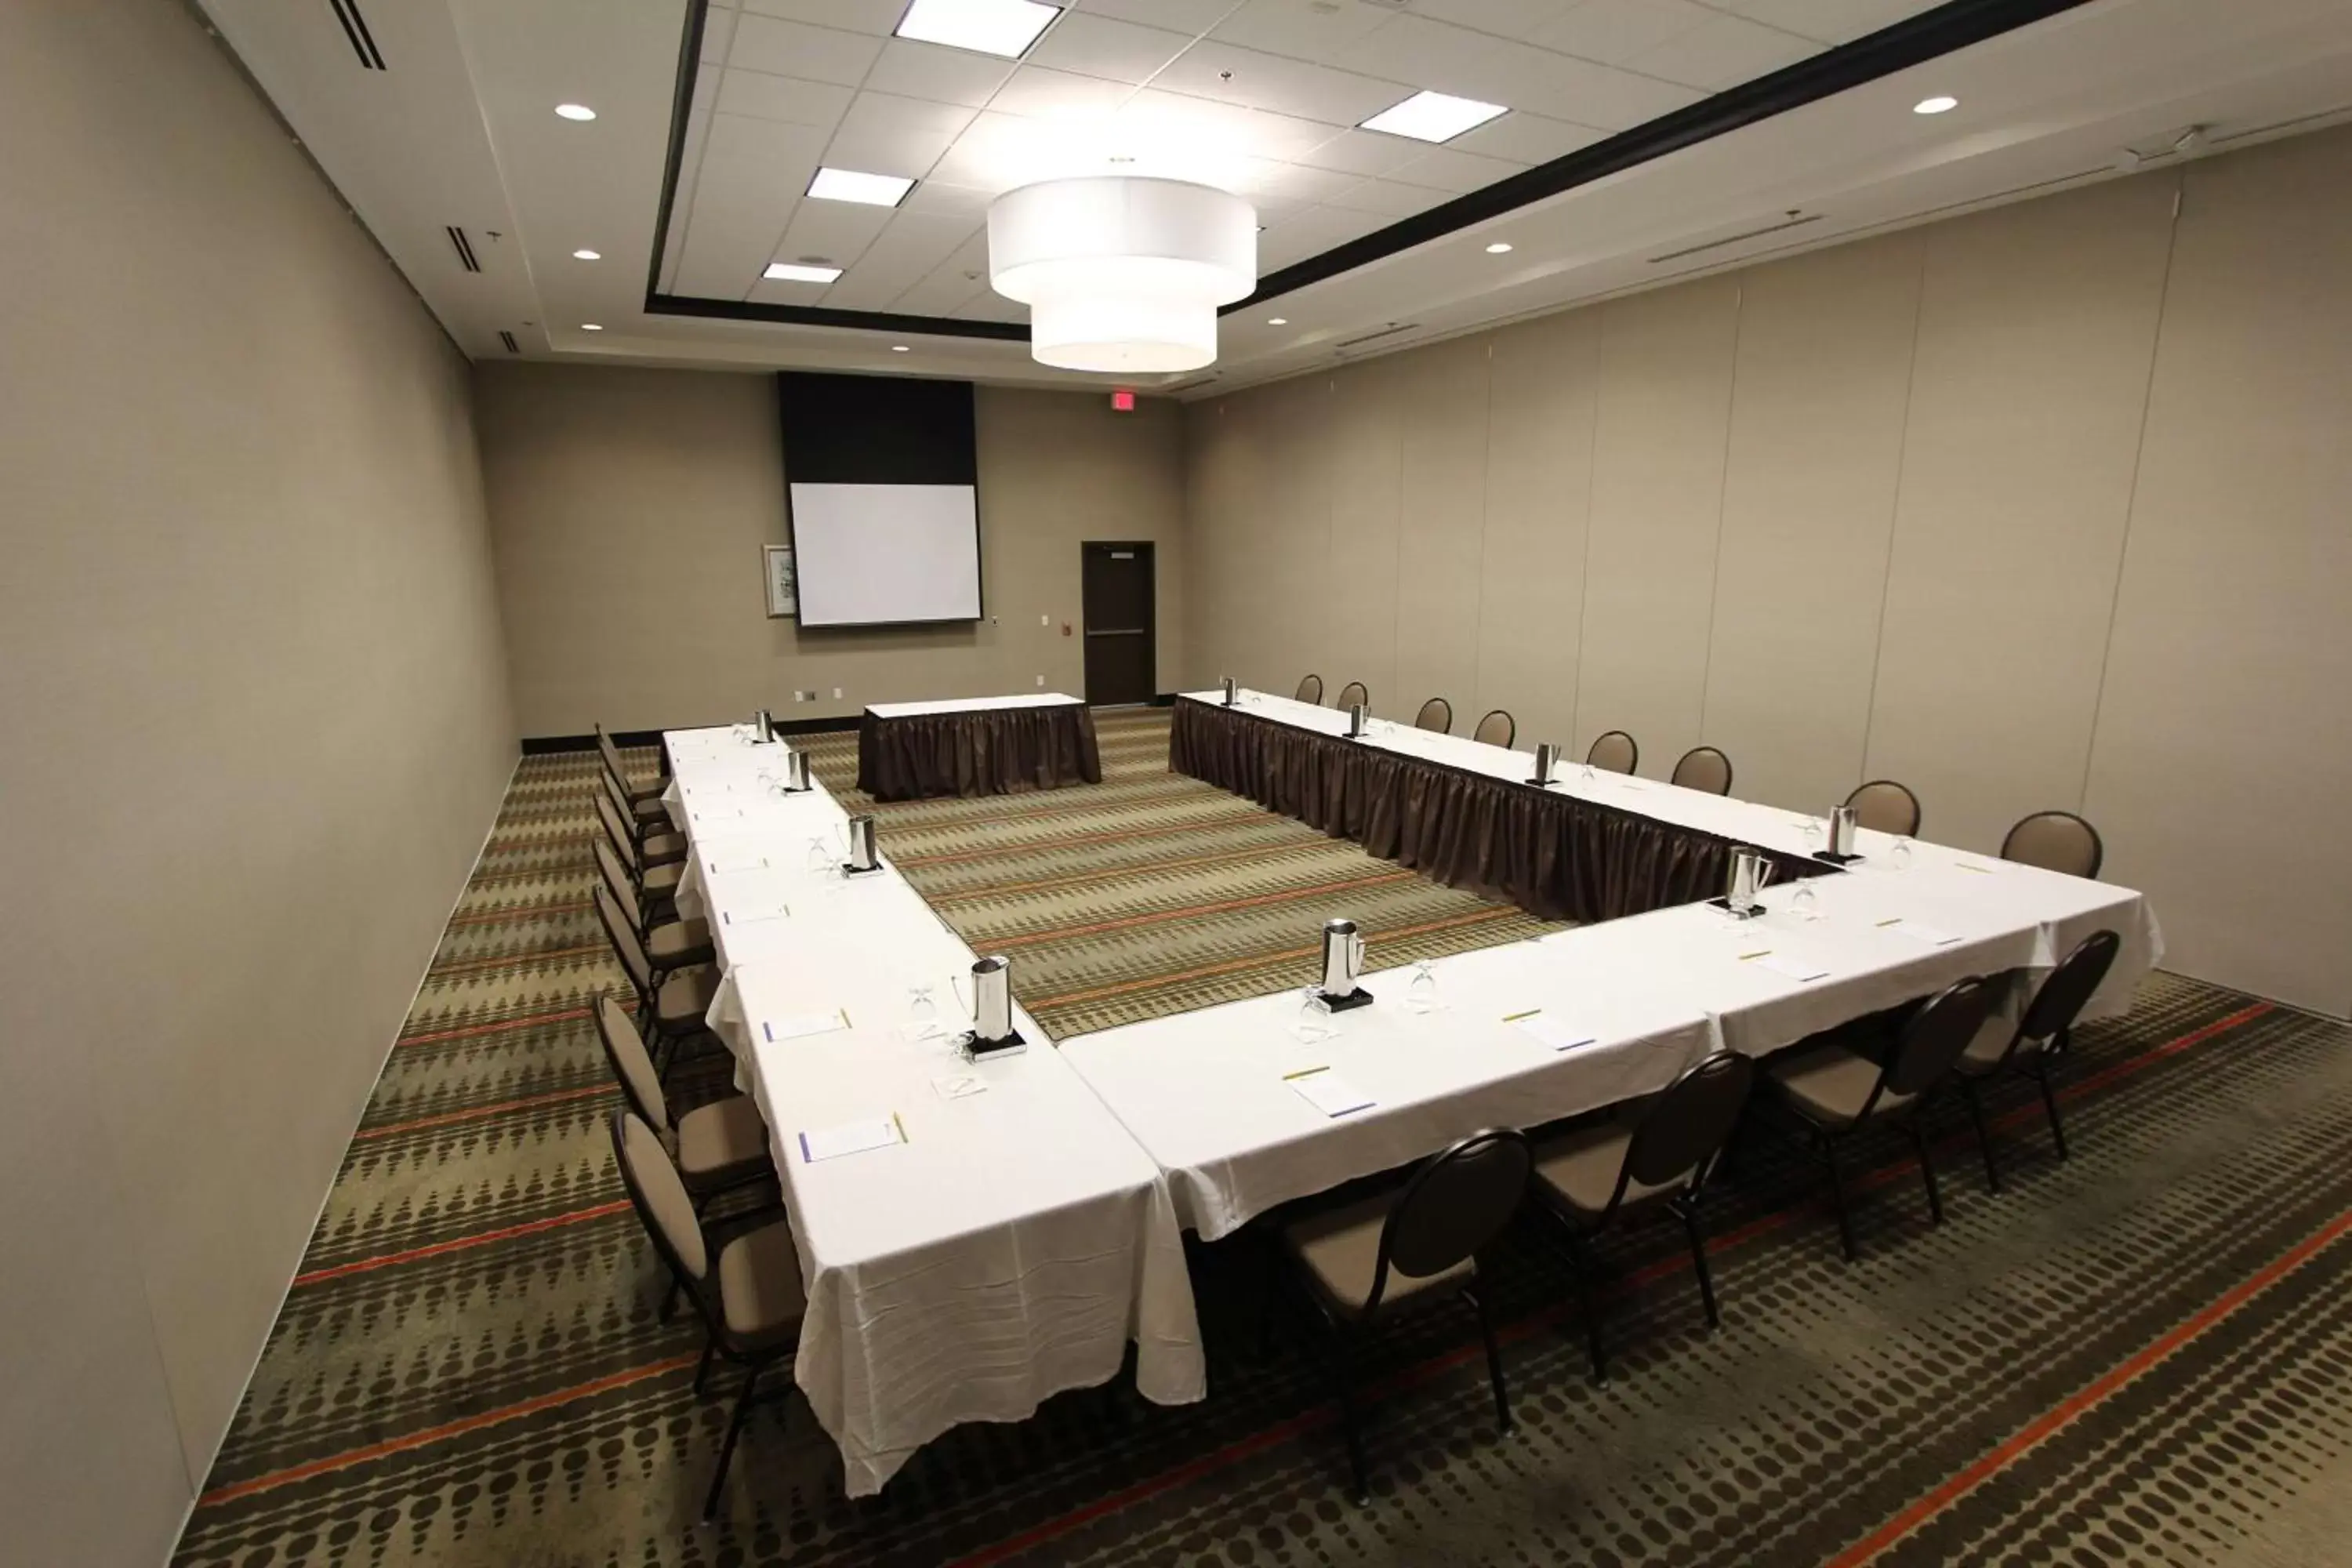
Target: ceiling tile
(1304, 30)
(939, 198)
(1445, 169)
(1386, 198)
(1428, 54)
(876, 16)
(887, 134)
(793, 101)
(1312, 232)
(1829, 21)
(1044, 94)
(1102, 46)
(1295, 182)
(1525, 138)
(717, 31)
(796, 49)
(837, 232)
(1229, 75)
(1362, 153)
(1579, 91)
(1724, 53)
(1191, 16)
(1614, 31)
(944, 75)
(998, 152)
(1520, 20)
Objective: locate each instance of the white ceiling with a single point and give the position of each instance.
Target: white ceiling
(459, 130)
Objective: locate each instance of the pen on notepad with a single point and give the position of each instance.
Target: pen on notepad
(899, 1125)
(1515, 1018)
(1892, 920)
(1303, 1072)
(1759, 953)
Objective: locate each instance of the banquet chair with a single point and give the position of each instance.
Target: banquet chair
(674, 1000)
(614, 765)
(1437, 714)
(1885, 806)
(1837, 1091)
(2055, 841)
(1613, 751)
(670, 942)
(1311, 689)
(2041, 1037)
(1592, 1177)
(646, 819)
(748, 1297)
(656, 883)
(1361, 1262)
(1497, 729)
(1353, 693)
(1703, 767)
(716, 1147)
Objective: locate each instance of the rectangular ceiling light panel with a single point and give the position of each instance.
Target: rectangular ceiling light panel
(1006, 27)
(1433, 116)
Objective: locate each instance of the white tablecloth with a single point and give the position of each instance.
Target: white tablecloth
(1206, 1094)
(1019, 1237)
(969, 704)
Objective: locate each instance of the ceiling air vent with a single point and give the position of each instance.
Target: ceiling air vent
(508, 339)
(1791, 221)
(356, 28)
(464, 249)
(1391, 329)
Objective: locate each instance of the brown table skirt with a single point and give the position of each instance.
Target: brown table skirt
(986, 750)
(1552, 855)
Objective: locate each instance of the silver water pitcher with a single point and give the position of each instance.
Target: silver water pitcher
(991, 1002)
(1343, 958)
(796, 771)
(763, 727)
(1231, 691)
(1749, 872)
(1842, 827)
(1547, 759)
(862, 856)
(1355, 720)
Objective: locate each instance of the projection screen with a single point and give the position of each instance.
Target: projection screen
(880, 553)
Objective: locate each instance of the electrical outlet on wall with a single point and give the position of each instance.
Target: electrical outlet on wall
(1045, 620)
(837, 694)
(1041, 680)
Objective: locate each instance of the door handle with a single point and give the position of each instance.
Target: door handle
(1113, 631)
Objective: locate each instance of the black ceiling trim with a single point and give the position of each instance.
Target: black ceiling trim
(1956, 25)
(819, 316)
(356, 28)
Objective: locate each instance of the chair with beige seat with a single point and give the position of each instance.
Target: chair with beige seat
(1361, 1262)
(1704, 768)
(1613, 751)
(644, 824)
(1837, 1091)
(641, 805)
(1310, 689)
(748, 1296)
(674, 1000)
(669, 942)
(655, 880)
(717, 1147)
(1497, 729)
(1352, 693)
(619, 769)
(2039, 1041)
(1593, 1178)
(1436, 715)
(2055, 841)
(1884, 805)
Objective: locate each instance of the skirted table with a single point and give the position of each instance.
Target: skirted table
(1460, 812)
(976, 745)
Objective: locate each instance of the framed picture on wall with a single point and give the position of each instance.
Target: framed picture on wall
(783, 581)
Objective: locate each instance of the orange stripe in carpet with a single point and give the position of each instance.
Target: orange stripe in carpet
(1028, 847)
(485, 916)
(538, 955)
(1228, 966)
(992, 889)
(1216, 907)
(476, 1114)
(499, 1026)
(2089, 1397)
(460, 1244)
(447, 1430)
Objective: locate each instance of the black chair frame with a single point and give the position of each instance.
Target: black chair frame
(2049, 1020)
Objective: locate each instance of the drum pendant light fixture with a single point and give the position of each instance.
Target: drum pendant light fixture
(1122, 273)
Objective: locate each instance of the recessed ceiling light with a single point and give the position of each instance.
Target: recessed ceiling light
(897, 348)
(1498, 247)
(1433, 116)
(1277, 321)
(1935, 105)
(575, 111)
(849, 185)
(1006, 27)
(590, 327)
(799, 272)
(587, 256)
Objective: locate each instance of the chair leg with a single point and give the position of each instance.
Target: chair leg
(1969, 1092)
(727, 1448)
(669, 1304)
(702, 1367)
(1587, 1303)
(1494, 1360)
(1689, 1211)
(1344, 1355)
(2050, 1103)
(1927, 1167)
(1837, 1194)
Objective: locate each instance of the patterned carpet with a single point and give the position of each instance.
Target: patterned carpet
(2140, 1355)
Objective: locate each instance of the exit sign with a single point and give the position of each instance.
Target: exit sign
(1122, 402)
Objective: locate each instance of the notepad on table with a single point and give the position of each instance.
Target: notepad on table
(1328, 1093)
(1920, 930)
(798, 1025)
(755, 915)
(1783, 963)
(1555, 1034)
(851, 1138)
(959, 1085)
(738, 862)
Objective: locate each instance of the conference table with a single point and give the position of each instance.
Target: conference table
(1255, 1103)
(976, 745)
(973, 1237)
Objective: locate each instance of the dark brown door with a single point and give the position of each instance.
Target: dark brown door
(1120, 633)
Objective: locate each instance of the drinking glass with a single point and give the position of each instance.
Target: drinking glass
(1805, 903)
(1810, 826)
(1900, 855)
(922, 1015)
(820, 854)
(1420, 996)
(1314, 1022)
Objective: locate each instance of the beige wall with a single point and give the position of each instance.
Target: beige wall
(629, 506)
(256, 728)
(2046, 505)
